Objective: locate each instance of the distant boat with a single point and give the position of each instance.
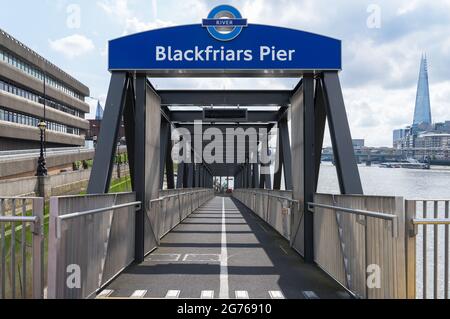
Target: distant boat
(410, 163)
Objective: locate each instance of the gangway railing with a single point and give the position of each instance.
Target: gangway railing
(360, 242)
(428, 248)
(174, 206)
(354, 236)
(92, 238)
(21, 247)
(275, 207)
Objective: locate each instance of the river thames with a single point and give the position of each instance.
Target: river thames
(408, 183)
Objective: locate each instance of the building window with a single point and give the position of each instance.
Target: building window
(31, 70)
(13, 117)
(7, 87)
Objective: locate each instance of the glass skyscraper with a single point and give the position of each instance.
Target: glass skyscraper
(422, 113)
(99, 112)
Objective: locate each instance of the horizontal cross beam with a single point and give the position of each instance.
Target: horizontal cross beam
(224, 98)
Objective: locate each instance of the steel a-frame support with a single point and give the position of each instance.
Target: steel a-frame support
(311, 106)
(346, 166)
(100, 179)
(130, 97)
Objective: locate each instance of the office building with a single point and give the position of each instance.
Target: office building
(31, 89)
(358, 144)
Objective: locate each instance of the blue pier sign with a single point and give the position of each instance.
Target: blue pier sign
(224, 41)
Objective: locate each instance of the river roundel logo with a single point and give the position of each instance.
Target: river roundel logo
(224, 23)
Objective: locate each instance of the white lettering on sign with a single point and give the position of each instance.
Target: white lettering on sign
(276, 55)
(266, 53)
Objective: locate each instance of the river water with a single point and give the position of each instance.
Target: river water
(410, 184)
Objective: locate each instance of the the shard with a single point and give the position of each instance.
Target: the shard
(422, 113)
(99, 112)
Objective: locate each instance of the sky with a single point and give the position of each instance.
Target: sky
(382, 45)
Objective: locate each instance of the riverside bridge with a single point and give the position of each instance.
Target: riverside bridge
(273, 237)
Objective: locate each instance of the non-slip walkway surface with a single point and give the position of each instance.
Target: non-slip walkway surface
(223, 250)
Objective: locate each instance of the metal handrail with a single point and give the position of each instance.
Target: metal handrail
(431, 221)
(98, 210)
(429, 200)
(19, 219)
(17, 197)
(268, 194)
(360, 212)
(176, 195)
(59, 219)
(354, 211)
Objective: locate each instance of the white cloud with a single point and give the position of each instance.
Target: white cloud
(122, 14)
(134, 25)
(118, 8)
(72, 46)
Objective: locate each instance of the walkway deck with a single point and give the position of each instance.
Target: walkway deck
(224, 250)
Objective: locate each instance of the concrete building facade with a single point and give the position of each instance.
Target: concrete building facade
(31, 89)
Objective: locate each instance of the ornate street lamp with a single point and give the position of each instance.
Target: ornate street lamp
(42, 169)
(42, 165)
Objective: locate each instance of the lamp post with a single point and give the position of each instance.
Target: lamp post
(42, 165)
(42, 169)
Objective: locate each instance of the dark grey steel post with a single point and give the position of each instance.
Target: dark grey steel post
(347, 169)
(180, 175)
(165, 131)
(140, 138)
(240, 179)
(256, 176)
(203, 176)
(268, 176)
(197, 175)
(286, 149)
(249, 176)
(309, 164)
(268, 181)
(107, 142)
(319, 126)
(280, 161)
(169, 164)
(190, 180)
(262, 179)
